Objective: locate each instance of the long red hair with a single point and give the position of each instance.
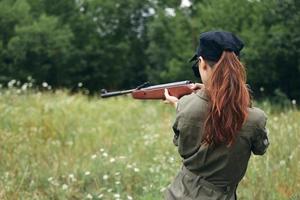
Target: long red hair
(230, 99)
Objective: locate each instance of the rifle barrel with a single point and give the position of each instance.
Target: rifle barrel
(116, 93)
(169, 85)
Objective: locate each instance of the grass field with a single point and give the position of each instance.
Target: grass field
(58, 146)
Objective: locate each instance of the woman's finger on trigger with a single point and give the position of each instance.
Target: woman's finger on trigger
(193, 86)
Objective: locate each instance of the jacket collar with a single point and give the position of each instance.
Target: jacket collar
(202, 94)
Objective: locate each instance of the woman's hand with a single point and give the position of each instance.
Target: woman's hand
(170, 99)
(197, 86)
(173, 100)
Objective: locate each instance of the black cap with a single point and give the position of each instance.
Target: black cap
(213, 43)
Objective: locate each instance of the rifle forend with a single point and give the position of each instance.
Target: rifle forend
(177, 89)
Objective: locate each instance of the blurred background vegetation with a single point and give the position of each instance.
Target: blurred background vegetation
(59, 146)
(117, 44)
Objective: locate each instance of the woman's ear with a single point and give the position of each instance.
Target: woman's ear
(202, 63)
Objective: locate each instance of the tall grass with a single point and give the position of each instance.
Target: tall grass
(60, 146)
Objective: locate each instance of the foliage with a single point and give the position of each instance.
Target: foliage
(120, 44)
(41, 49)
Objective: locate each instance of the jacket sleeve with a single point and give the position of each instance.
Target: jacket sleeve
(260, 141)
(175, 125)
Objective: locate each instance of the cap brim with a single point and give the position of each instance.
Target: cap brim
(193, 58)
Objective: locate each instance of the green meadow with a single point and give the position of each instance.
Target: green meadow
(60, 146)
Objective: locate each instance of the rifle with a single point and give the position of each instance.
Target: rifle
(144, 91)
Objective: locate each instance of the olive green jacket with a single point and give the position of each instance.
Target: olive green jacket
(220, 166)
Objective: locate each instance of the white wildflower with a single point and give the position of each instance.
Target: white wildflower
(87, 173)
(64, 186)
(24, 87)
(11, 83)
(136, 169)
(117, 195)
(89, 196)
(282, 162)
(55, 183)
(72, 177)
(112, 160)
(100, 196)
(129, 197)
(93, 156)
(122, 157)
(170, 12)
(151, 170)
(129, 166)
(294, 102)
(45, 84)
(105, 177)
(185, 3)
(80, 84)
(105, 154)
(261, 89)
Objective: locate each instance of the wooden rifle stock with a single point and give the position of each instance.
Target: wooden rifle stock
(177, 89)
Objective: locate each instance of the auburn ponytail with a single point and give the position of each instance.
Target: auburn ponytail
(230, 99)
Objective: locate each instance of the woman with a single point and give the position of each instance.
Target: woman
(216, 128)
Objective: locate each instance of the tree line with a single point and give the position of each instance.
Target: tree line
(117, 44)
